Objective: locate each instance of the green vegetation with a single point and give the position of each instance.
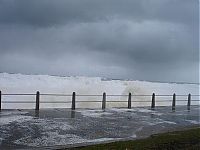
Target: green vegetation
(184, 140)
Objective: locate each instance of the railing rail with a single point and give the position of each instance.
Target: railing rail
(104, 96)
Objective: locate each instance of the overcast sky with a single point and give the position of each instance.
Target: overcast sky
(155, 40)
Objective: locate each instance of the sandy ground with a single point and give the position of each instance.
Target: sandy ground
(62, 127)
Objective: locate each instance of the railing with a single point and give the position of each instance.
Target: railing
(103, 101)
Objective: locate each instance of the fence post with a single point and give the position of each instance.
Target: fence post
(37, 107)
(104, 101)
(73, 101)
(174, 102)
(0, 100)
(189, 102)
(129, 101)
(153, 101)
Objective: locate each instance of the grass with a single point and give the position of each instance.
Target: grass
(178, 140)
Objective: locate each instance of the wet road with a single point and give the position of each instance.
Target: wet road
(53, 127)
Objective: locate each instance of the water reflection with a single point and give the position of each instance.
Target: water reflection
(153, 115)
(37, 113)
(73, 113)
(54, 114)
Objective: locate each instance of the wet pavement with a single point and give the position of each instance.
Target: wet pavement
(26, 129)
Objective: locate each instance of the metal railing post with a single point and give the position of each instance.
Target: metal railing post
(129, 101)
(189, 102)
(0, 100)
(73, 101)
(174, 102)
(153, 101)
(104, 101)
(37, 107)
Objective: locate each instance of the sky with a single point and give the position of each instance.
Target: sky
(153, 40)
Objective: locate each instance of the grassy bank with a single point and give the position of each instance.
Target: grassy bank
(186, 140)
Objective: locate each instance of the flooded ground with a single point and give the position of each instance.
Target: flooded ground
(62, 127)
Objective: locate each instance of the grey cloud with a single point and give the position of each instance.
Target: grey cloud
(53, 13)
(143, 39)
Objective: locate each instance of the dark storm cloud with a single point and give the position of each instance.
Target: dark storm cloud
(51, 12)
(138, 39)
